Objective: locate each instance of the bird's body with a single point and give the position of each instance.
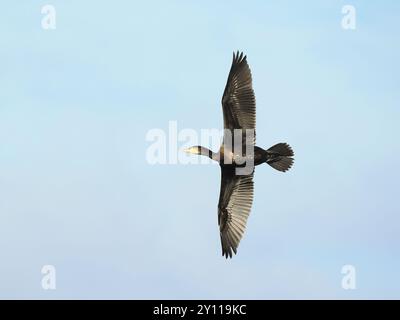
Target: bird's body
(238, 155)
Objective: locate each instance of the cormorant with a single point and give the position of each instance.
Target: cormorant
(237, 189)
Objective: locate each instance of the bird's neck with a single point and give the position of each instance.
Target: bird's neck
(208, 153)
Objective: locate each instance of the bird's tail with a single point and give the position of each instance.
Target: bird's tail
(280, 156)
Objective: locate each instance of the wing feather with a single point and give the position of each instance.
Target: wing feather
(236, 198)
(238, 100)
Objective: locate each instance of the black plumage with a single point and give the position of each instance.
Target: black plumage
(237, 190)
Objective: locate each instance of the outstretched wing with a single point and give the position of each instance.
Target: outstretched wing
(235, 200)
(238, 100)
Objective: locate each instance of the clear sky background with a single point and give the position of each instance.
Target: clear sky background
(77, 192)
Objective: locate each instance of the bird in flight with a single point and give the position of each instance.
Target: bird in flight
(238, 155)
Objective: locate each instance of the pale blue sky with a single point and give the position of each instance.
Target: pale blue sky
(76, 190)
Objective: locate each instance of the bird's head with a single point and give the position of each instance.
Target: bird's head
(194, 150)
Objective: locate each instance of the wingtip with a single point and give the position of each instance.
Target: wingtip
(227, 253)
(239, 56)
